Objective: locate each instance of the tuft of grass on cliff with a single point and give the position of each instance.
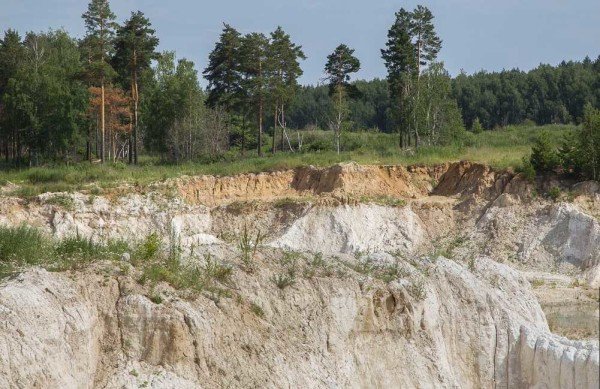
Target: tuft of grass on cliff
(501, 148)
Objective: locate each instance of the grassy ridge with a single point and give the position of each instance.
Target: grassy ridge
(502, 148)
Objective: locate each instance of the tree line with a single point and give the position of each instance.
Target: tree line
(487, 100)
(110, 95)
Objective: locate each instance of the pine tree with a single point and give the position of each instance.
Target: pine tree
(135, 48)
(400, 61)
(223, 71)
(590, 142)
(476, 127)
(100, 26)
(427, 43)
(340, 64)
(284, 58)
(11, 56)
(256, 72)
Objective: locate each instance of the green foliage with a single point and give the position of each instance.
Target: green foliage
(248, 245)
(257, 310)
(44, 95)
(544, 95)
(389, 273)
(340, 64)
(501, 148)
(527, 169)
(476, 127)
(135, 45)
(554, 193)
(417, 290)
(363, 265)
(216, 270)
(284, 280)
(62, 200)
(387, 201)
(544, 157)
(290, 264)
(589, 143)
(223, 70)
(23, 246)
(149, 248)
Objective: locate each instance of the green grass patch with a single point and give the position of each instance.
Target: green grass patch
(500, 148)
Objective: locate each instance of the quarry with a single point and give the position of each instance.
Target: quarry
(456, 275)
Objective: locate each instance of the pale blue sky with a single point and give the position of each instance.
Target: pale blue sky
(477, 34)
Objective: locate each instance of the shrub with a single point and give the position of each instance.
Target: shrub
(527, 169)
(390, 273)
(248, 246)
(216, 270)
(62, 200)
(284, 280)
(544, 157)
(417, 290)
(149, 248)
(476, 127)
(257, 310)
(554, 193)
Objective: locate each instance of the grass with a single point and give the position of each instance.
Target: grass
(257, 310)
(25, 246)
(248, 245)
(21, 247)
(502, 148)
(387, 201)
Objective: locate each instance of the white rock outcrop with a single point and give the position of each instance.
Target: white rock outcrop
(463, 329)
(359, 228)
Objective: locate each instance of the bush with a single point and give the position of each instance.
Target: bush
(527, 169)
(554, 193)
(544, 157)
(149, 248)
(284, 280)
(257, 310)
(476, 127)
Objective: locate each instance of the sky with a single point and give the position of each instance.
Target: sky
(477, 34)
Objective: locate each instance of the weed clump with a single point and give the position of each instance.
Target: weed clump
(248, 246)
(257, 310)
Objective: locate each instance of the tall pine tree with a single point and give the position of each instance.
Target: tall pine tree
(11, 56)
(256, 72)
(426, 41)
(340, 64)
(135, 48)
(284, 57)
(401, 63)
(223, 71)
(100, 26)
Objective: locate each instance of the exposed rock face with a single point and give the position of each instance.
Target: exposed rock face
(325, 332)
(347, 179)
(467, 322)
(349, 229)
(543, 236)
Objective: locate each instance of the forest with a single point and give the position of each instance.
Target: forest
(110, 96)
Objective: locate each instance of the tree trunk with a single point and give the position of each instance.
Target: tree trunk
(243, 134)
(88, 146)
(260, 111)
(260, 127)
(136, 99)
(281, 144)
(275, 129)
(102, 121)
